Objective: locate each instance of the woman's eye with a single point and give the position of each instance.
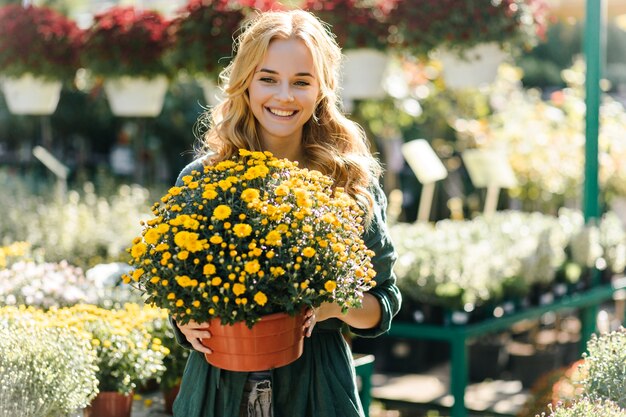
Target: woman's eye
(266, 79)
(302, 83)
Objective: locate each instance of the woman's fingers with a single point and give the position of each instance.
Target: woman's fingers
(197, 345)
(194, 333)
(309, 322)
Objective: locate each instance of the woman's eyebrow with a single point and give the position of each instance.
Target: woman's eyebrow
(300, 74)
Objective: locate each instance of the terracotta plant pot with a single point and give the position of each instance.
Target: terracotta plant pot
(110, 404)
(275, 341)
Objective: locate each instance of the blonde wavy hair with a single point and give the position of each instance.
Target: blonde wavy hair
(332, 143)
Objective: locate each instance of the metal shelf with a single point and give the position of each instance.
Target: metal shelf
(458, 335)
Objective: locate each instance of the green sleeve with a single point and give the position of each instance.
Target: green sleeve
(378, 240)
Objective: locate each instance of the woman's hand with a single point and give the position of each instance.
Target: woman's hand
(194, 332)
(321, 313)
(365, 317)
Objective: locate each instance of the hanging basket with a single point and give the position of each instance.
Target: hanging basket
(135, 96)
(363, 72)
(30, 95)
(212, 94)
(110, 404)
(274, 341)
(479, 67)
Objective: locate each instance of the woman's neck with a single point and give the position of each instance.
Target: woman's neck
(292, 152)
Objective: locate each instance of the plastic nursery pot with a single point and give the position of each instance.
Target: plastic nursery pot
(274, 341)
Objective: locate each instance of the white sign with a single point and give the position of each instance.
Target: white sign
(51, 162)
(489, 168)
(424, 161)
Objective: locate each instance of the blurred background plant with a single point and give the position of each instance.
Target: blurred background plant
(124, 40)
(86, 229)
(457, 25)
(39, 41)
(128, 355)
(201, 52)
(463, 265)
(545, 139)
(46, 368)
(355, 23)
(605, 374)
(594, 385)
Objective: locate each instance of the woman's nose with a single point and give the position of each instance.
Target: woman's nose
(284, 94)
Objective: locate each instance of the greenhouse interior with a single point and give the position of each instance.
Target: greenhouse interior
(499, 247)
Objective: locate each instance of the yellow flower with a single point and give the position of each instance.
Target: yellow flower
(161, 247)
(137, 273)
(216, 281)
(260, 298)
(277, 271)
(308, 252)
(209, 269)
(216, 239)
(222, 212)
(184, 281)
(250, 194)
(175, 190)
(273, 238)
(183, 255)
(252, 267)
(209, 193)
(151, 236)
(330, 286)
(239, 289)
(138, 250)
(242, 230)
(282, 190)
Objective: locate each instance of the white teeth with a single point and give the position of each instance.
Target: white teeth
(282, 113)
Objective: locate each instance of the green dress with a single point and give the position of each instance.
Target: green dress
(322, 382)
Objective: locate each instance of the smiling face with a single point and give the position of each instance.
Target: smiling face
(283, 94)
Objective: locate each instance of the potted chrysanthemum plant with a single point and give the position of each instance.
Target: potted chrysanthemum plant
(362, 31)
(39, 49)
(126, 47)
(474, 31)
(249, 242)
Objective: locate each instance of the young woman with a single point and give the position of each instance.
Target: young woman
(281, 96)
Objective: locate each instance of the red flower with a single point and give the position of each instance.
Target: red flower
(355, 25)
(127, 41)
(204, 31)
(38, 40)
(424, 25)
